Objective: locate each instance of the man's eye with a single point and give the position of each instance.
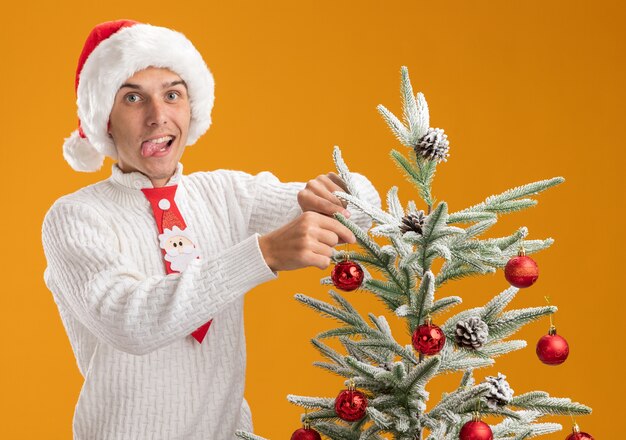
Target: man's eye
(172, 96)
(132, 98)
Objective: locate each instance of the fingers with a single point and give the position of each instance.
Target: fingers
(344, 234)
(338, 181)
(326, 229)
(311, 202)
(319, 261)
(333, 183)
(324, 187)
(306, 241)
(318, 196)
(329, 238)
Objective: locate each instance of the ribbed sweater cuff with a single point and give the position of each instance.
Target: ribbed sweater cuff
(245, 265)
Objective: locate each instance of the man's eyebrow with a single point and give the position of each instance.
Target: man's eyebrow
(165, 85)
(130, 85)
(175, 83)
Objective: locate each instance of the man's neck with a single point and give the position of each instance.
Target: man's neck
(156, 181)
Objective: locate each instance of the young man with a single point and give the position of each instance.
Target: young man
(149, 267)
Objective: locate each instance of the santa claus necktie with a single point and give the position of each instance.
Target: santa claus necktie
(175, 240)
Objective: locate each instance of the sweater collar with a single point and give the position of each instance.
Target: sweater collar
(137, 180)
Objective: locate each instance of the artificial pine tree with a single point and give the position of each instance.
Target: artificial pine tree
(391, 372)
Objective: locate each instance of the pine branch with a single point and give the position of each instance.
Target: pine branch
(463, 362)
(328, 352)
(344, 172)
(470, 217)
(377, 214)
(512, 240)
(443, 304)
(322, 414)
(453, 400)
(550, 405)
(420, 374)
(423, 302)
(368, 260)
(335, 369)
(510, 206)
(384, 230)
(393, 203)
(381, 421)
(381, 324)
(419, 172)
(479, 228)
(337, 332)
(468, 379)
(388, 292)
(530, 246)
(366, 370)
(530, 396)
(423, 118)
(384, 402)
(470, 406)
(456, 270)
(498, 203)
(363, 353)
(328, 310)
(426, 169)
(523, 425)
(409, 105)
(312, 402)
(511, 322)
(494, 308)
(397, 128)
(496, 349)
(248, 436)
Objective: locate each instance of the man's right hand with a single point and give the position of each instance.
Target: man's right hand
(306, 241)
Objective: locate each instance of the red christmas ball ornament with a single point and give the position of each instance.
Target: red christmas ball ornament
(552, 349)
(577, 435)
(476, 430)
(347, 275)
(350, 404)
(521, 271)
(428, 339)
(306, 434)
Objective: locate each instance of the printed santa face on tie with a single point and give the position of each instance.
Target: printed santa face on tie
(179, 247)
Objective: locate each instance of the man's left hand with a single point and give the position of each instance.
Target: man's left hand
(318, 195)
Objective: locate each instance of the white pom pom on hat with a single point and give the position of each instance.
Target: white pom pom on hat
(115, 51)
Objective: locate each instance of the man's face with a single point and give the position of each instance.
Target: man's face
(149, 123)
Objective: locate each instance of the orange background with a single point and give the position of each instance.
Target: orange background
(525, 90)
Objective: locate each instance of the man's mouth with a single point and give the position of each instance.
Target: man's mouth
(156, 147)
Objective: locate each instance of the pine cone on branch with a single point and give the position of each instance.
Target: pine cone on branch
(471, 333)
(413, 222)
(433, 145)
(500, 393)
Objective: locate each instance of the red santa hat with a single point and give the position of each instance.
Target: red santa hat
(115, 51)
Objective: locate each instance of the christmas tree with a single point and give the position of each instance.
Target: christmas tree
(387, 376)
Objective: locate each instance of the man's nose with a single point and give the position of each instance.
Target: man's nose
(157, 113)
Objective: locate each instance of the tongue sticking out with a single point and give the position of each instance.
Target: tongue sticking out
(149, 148)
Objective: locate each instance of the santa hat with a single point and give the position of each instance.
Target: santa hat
(115, 51)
